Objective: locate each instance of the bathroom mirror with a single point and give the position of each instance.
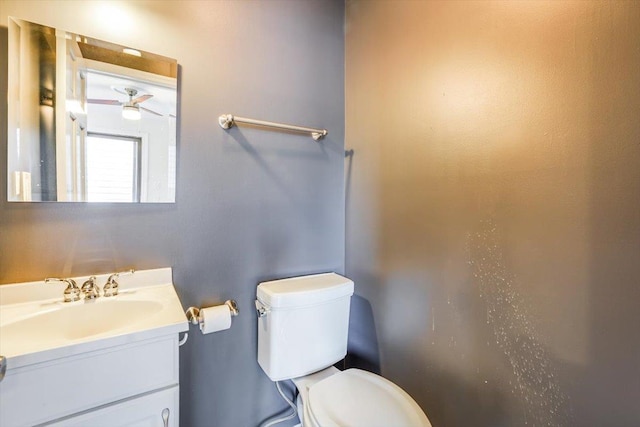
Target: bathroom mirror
(88, 120)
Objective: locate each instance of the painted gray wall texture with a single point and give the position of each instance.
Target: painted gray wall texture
(493, 207)
(492, 195)
(251, 204)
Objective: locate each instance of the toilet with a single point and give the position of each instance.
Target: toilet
(303, 326)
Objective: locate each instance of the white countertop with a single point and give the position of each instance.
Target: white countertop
(39, 327)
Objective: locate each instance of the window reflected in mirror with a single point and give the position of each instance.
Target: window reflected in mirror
(113, 168)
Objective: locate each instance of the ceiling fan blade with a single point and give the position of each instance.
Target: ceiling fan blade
(150, 111)
(140, 99)
(104, 101)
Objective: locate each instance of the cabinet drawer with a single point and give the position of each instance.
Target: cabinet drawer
(48, 391)
(143, 411)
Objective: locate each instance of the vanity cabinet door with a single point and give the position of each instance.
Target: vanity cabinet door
(60, 388)
(158, 409)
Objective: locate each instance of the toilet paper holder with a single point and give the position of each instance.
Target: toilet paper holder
(193, 313)
(193, 316)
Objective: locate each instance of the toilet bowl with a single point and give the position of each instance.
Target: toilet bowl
(302, 332)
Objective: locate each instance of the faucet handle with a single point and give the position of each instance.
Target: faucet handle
(110, 288)
(90, 289)
(71, 292)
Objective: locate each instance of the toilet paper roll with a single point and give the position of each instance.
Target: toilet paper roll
(213, 319)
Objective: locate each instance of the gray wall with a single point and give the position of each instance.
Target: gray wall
(251, 204)
(493, 207)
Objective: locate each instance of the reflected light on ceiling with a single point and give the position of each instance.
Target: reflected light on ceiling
(131, 51)
(115, 17)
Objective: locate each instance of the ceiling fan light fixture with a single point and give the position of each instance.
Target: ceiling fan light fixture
(131, 112)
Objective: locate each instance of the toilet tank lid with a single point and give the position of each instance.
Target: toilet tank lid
(304, 290)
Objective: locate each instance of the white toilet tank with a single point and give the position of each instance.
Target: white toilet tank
(303, 324)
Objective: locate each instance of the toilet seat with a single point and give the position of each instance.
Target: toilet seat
(356, 398)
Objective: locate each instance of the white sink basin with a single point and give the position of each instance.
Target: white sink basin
(73, 322)
(34, 329)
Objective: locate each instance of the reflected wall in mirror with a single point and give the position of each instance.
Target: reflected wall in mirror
(88, 120)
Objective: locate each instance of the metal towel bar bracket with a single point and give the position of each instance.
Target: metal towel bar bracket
(3, 367)
(227, 121)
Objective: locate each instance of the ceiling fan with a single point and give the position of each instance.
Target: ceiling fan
(131, 108)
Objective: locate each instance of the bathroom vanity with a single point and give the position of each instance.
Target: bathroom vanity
(110, 361)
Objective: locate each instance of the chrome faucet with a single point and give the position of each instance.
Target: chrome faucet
(71, 292)
(90, 290)
(110, 288)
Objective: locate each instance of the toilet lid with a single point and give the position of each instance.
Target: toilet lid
(356, 398)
